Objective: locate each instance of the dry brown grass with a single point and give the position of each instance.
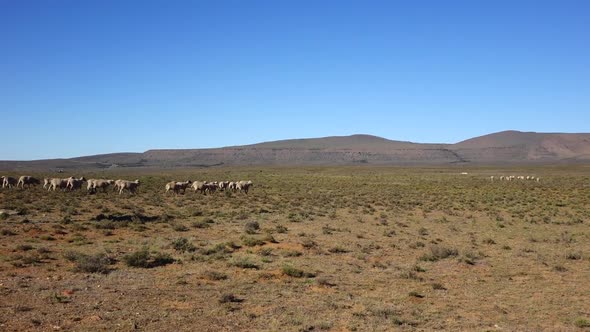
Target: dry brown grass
(322, 248)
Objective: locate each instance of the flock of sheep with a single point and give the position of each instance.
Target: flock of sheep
(513, 177)
(209, 187)
(93, 185)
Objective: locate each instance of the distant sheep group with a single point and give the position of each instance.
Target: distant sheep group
(25, 180)
(514, 177)
(72, 183)
(205, 187)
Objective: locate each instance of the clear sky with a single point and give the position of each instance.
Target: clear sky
(88, 77)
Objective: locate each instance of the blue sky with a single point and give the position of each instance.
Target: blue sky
(88, 77)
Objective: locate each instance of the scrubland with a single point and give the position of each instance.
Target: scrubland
(308, 248)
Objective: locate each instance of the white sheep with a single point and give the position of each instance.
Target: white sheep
(90, 184)
(223, 185)
(177, 186)
(94, 184)
(117, 185)
(130, 186)
(74, 184)
(8, 182)
(244, 186)
(199, 186)
(211, 187)
(27, 180)
(58, 183)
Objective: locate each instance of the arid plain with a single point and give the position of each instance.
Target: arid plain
(342, 248)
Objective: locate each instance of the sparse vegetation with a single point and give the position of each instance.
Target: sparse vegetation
(228, 297)
(574, 255)
(439, 252)
(244, 263)
(214, 275)
(295, 272)
(249, 241)
(7, 232)
(251, 227)
(97, 263)
(145, 259)
(183, 245)
(582, 323)
(350, 248)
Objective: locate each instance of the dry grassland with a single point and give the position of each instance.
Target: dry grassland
(309, 248)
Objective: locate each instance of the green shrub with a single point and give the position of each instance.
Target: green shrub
(439, 252)
(183, 245)
(296, 273)
(7, 232)
(281, 229)
(24, 247)
(227, 298)
(214, 275)
(179, 228)
(244, 263)
(200, 224)
(582, 323)
(251, 227)
(143, 258)
(338, 250)
(97, 263)
(574, 255)
(251, 242)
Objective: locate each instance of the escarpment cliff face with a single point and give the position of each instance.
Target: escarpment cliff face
(508, 147)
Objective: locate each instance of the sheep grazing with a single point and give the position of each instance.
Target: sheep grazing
(28, 181)
(171, 186)
(177, 186)
(90, 184)
(8, 182)
(103, 184)
(183, 185)
(94, 184)
(117, 185)
(199, 186)
(492, 178)
(223, 185)
(74, 184)
(211, 187)
(130, 186)
(205, 187)
(58, 183)
(244, 186)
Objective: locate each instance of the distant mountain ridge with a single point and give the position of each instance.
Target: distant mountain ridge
(507, 147)
(526, 146)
